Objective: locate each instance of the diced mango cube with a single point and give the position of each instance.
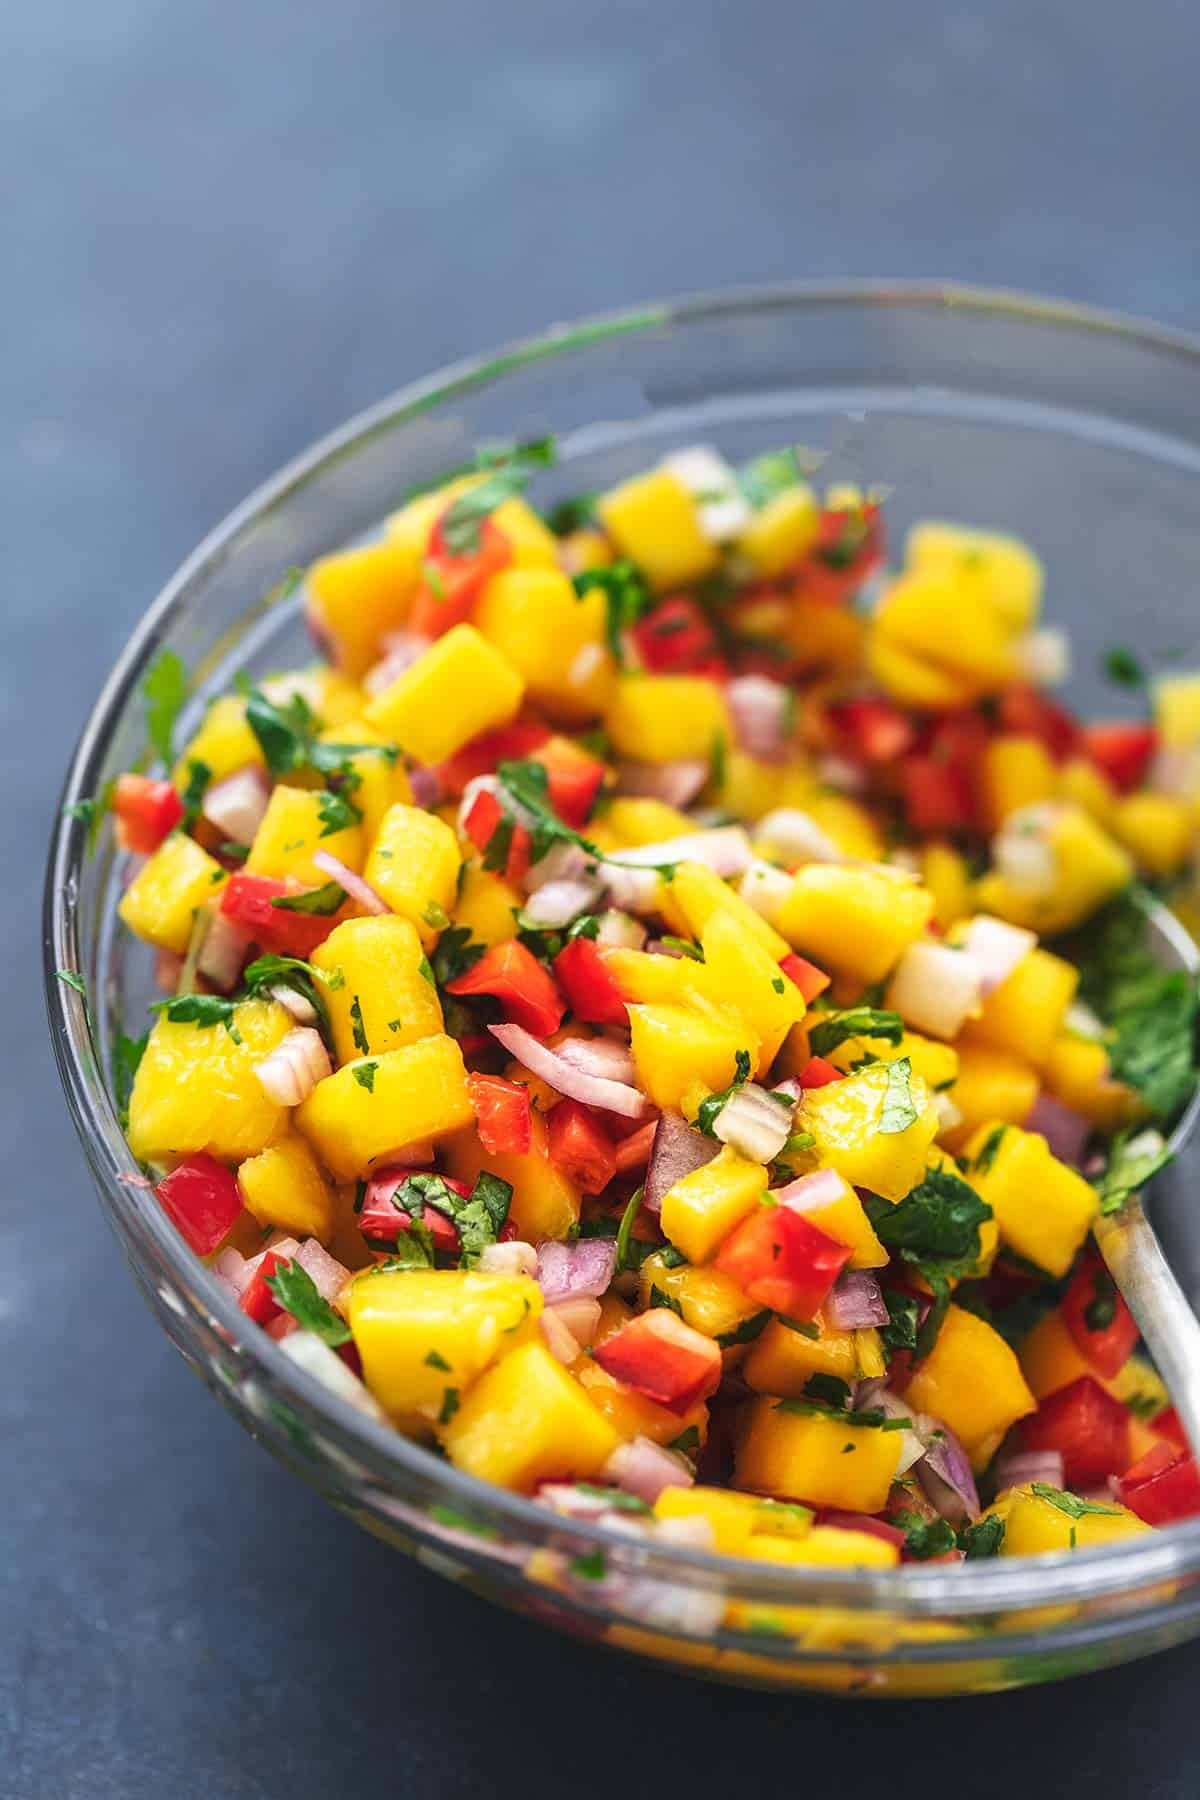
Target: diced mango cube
(972, 1381)
(544, 1203)
(988, 568)
(553, 637)
(992, 1087)
(1037, 1526)
(944, 872)
(667, 718)
(378, 776)
(632, 1415)
(782, 1359)
(224, 743)
(486, 905)
(1043, 1208)
(694, 894)
(674, 1049)
(700, 1211)
(284, 1187)
(1177, 709)
(160, 903)
(457, 688)
(826, 1547)
(732, 1516)
(1156, 829)
(708, 1299)
(357, 596)
(782, 532)
(655, 522)
(1081, 783)
(414, 864)
(1024, 1015)
(526, 1420)
(383, 1000)
(298, 822)
(196, 1088)
(1078, 1072)
(373, 1109)
(856, 921)
(1016, 771)
(843, 1218)
(844, 1119)
(822, 1461)
(922, 614)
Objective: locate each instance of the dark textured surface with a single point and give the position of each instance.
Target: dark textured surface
(225, 228)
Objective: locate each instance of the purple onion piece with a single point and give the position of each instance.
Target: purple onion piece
(579, 1271)
(1065, 1131)
(1020, 1467)
(855, 1302)
(945, 1474)
(677, 1150)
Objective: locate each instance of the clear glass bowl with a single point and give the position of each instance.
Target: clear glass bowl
(1080, 432)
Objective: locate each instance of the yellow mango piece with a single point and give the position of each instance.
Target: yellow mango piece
(782, 532)
(824, 637)
(196, 1088)
(844, 1119)
(553, 637)
(910, 679)
(1050, 1358)
(666, 718)
(922, 613)
(224, 743)
(294, 826)
(486, 904)
(1043, 1208)
(733, 1517)
(1156, 830)
(822, 1461)
(330, 696)
(944, 872)
(844, 1220)
(1016, 771)
(934, 1062)
(1081, 783)
(159, 905)
(972, 1381)
(710, 1301)
(372, 1110)
(855, 921)
(655, 522)
(413, 864)
(655, 980)
(782, 1360)
(383, 1000)
(1078, 1072)
(1177, 709)
(457, 688)
(412, 523)
(674, 1049)
(989, 569)
(1090, 868)
(532, 543)
(634, 821)
(848, 823)
(993, 1087)
(283, 1187)
(378, 774)
(700, 1211)
(694, 895)
(827, 1547)
(424, 1333)
(526, 1420)
(1025, 1014)
(631, 1414)
(357, 596)
(544, 1203)
(739, 975)
(750, 788)
(584, 549)
(1038, 1527)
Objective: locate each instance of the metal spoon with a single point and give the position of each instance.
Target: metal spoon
(1131, 1249)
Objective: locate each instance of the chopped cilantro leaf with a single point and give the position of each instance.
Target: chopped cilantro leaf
(687, 1441)
(833, 1028)
(1071, 1504)
(164, 692)
(925, 1538)
(296, 1292)
(898, 1111)
(450, 1405)
(982, 1539)
(70, 978)
(364, 1074)
(462, 522)
(1122, 667)
(357, 1029)
(436, 1361)
(336, 813)
(710, 1109)
(626, 599)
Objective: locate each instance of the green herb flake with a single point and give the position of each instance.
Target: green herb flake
(296, 1292)
(364, 1074)
(450, 1405)
(164, 694)
(626, 599)
(1071, 1504)
(688, 1441)
(982, 1539)
(70, 978)
(336, 813)
(1122, 667)
(358, 1030)
(436, 1361)
(435, 916)
(898, 1111)
(591, 1566)
(833, 1028)
(925, 1538)
(710, 1109)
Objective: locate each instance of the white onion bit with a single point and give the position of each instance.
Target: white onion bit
(935, 988)
(754, 1124)
(765, 888)
(294, 1067)
(236, 806)
(512, 1258)
(674, 783)
(795, 837)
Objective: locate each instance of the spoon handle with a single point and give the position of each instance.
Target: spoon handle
(1167, 1323)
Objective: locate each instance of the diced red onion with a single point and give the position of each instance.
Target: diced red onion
(168, 966)
(868, 1522)
(796, 837)
(874, 1393)
(229, 1267)
(327, 1274)
(1044, 656)
(934, 988)
(791, 1087)
(317, 1359)
(223, 953)
(355, 886)
(293, 1069)
(556, 903)
(725, 850)
(402, 649)
(571, 1502)
(605, 1057)
(1022, 851)
(585, 663)
(754, 1124)
(618, 930)
(581, 1316)
(644, 1468)
(515, 1257)
(839, 773)
(721, 508)
(855, 1302)
(560, 1341)
(300, 1009)
(950, 1116)
(582, 1270)
(674, 783)
(589, 1090)
(760, 709)
(808, 1193)
(911, 1452)
(996, 948)
(945, 1474)
(1065, 1131)
(236, 806)
(678, 1150)
(425, 786)
(765, 888)
(635, 890)
(562, 862)
(278, 1244)
(1019, 1467)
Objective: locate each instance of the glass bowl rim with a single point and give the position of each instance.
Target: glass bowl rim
(912, 1591)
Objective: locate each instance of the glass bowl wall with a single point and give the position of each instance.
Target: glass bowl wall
(1081, 433)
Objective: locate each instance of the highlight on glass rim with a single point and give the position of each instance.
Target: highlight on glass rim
(655, 1012)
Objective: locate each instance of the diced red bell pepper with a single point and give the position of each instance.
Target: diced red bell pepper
(481, 823)
(1025, 711)
(1098, 1318)
(382, 1220)
(958, 737)
(1162, 1487)
(871, 1523)
(203, 1201)
(503, 1114)
(145, 811)
(872, 728)
(661, 1357)
(633, 1151)
(257, 1301)
(525, 990)
(1169, 1426)
(452, 583)
(675, 638)
(779, 1259)
(484, 754)
(938, 796)
(591, 990)
(807, 977)
(246, 899)
(1122, 752)
(849, 544)
(580, 1147)
(818, 1073)
(1089, 1428)
(573, 779)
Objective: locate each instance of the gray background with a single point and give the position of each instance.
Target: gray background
(224, 228)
